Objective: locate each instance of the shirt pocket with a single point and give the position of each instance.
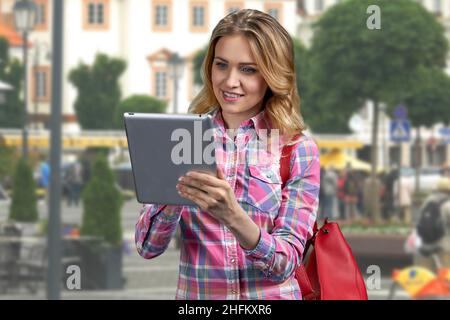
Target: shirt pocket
(264, 188)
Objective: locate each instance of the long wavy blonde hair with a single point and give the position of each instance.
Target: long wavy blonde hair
(273, 50)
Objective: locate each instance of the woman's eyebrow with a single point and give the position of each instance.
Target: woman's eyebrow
(240, 63)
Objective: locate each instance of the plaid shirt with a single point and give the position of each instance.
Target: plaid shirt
(212, 263)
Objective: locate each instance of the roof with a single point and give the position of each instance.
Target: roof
(12, 36)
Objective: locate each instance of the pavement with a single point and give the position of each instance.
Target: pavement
(154, 279)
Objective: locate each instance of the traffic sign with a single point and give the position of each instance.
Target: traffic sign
(400, 112)
(445, 134)
(400, 130)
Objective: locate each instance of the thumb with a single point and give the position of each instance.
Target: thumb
(220, 174)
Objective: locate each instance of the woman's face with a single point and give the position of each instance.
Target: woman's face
(237, 83)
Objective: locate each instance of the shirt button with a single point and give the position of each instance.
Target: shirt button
(233, 260)
(233, 291)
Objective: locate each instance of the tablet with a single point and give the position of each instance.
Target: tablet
(163, 147)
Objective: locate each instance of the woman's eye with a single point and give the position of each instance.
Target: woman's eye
(221, 65)
(248, 70)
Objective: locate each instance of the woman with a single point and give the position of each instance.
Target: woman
(247, 235)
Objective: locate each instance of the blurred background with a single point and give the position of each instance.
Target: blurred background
(374, 81)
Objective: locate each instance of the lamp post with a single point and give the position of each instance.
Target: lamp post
(25, 20)
(37, 51)
(176, 71)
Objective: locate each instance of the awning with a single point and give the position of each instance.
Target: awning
(67, 142)
(340, 160)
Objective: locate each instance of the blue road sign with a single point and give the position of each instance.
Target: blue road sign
(445, 134)
(400, 130)
(400, 112)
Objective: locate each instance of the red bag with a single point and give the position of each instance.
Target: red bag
(330, 271)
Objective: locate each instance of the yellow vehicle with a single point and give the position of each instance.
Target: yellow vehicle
(421, 283)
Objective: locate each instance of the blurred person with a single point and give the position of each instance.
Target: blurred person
(246, 237)
(74, 183)
(435, 247)
(403, 192)
(341, 194)
(351, 196)
(44, 177)
(389, 204)
(367, 191)
(329, 187)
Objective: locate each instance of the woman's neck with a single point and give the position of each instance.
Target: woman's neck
(233, 121)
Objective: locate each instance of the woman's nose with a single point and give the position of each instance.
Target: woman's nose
(232, 79)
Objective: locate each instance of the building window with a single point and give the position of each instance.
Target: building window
(437, 7)
(41, 84)
(199, 16)
(41, 15)
(233, 6)
(318, 6)
(275, 9)
(96, 14)
(162, 15)
(161, 84)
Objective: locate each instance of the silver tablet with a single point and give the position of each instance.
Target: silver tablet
(163, 147)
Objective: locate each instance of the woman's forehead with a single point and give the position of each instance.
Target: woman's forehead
(234, 49)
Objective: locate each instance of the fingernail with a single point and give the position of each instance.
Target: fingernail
(180, 179)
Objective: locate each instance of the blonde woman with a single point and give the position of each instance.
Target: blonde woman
(246, 236)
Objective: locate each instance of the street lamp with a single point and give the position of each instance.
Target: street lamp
(37, 51)
(176, 71)
(25, 20)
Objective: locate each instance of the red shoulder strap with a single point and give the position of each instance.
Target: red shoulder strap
(285, 161)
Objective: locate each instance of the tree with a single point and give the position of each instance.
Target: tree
(24, 202)
(318, 113)
(102, 203)
(8, 159)
(11, 71)
(98, 91)
(352, 63)
(138, 103)
(198, 61)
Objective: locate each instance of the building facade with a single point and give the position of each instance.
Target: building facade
(145, 33)
(433, 150)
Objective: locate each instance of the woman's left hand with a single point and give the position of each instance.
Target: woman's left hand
(212, 194)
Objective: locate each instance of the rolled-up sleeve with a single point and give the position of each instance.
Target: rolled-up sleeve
(280, 252)
(155, 229)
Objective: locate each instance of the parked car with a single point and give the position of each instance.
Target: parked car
(428, 177)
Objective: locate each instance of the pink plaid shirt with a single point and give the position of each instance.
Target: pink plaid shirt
(212, 263)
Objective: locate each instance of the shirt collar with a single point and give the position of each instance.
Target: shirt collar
(258, 122)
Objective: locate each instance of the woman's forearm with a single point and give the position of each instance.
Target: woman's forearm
(244, 229)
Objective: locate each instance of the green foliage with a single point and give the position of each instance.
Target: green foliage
(11, 72)
(198, 61)
(351, 63)
(102, 205)
(139, 103)
(24, 203)
(8, 159)
(98, 91)
(428, 99)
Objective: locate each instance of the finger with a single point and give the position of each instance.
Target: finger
(220, 174)
(197, 201)
(197, 196)
(207, 179)
(214, 192)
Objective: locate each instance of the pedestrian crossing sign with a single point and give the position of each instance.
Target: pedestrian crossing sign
(400, 130)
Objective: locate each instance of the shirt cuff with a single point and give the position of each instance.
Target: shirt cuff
(264, 249)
